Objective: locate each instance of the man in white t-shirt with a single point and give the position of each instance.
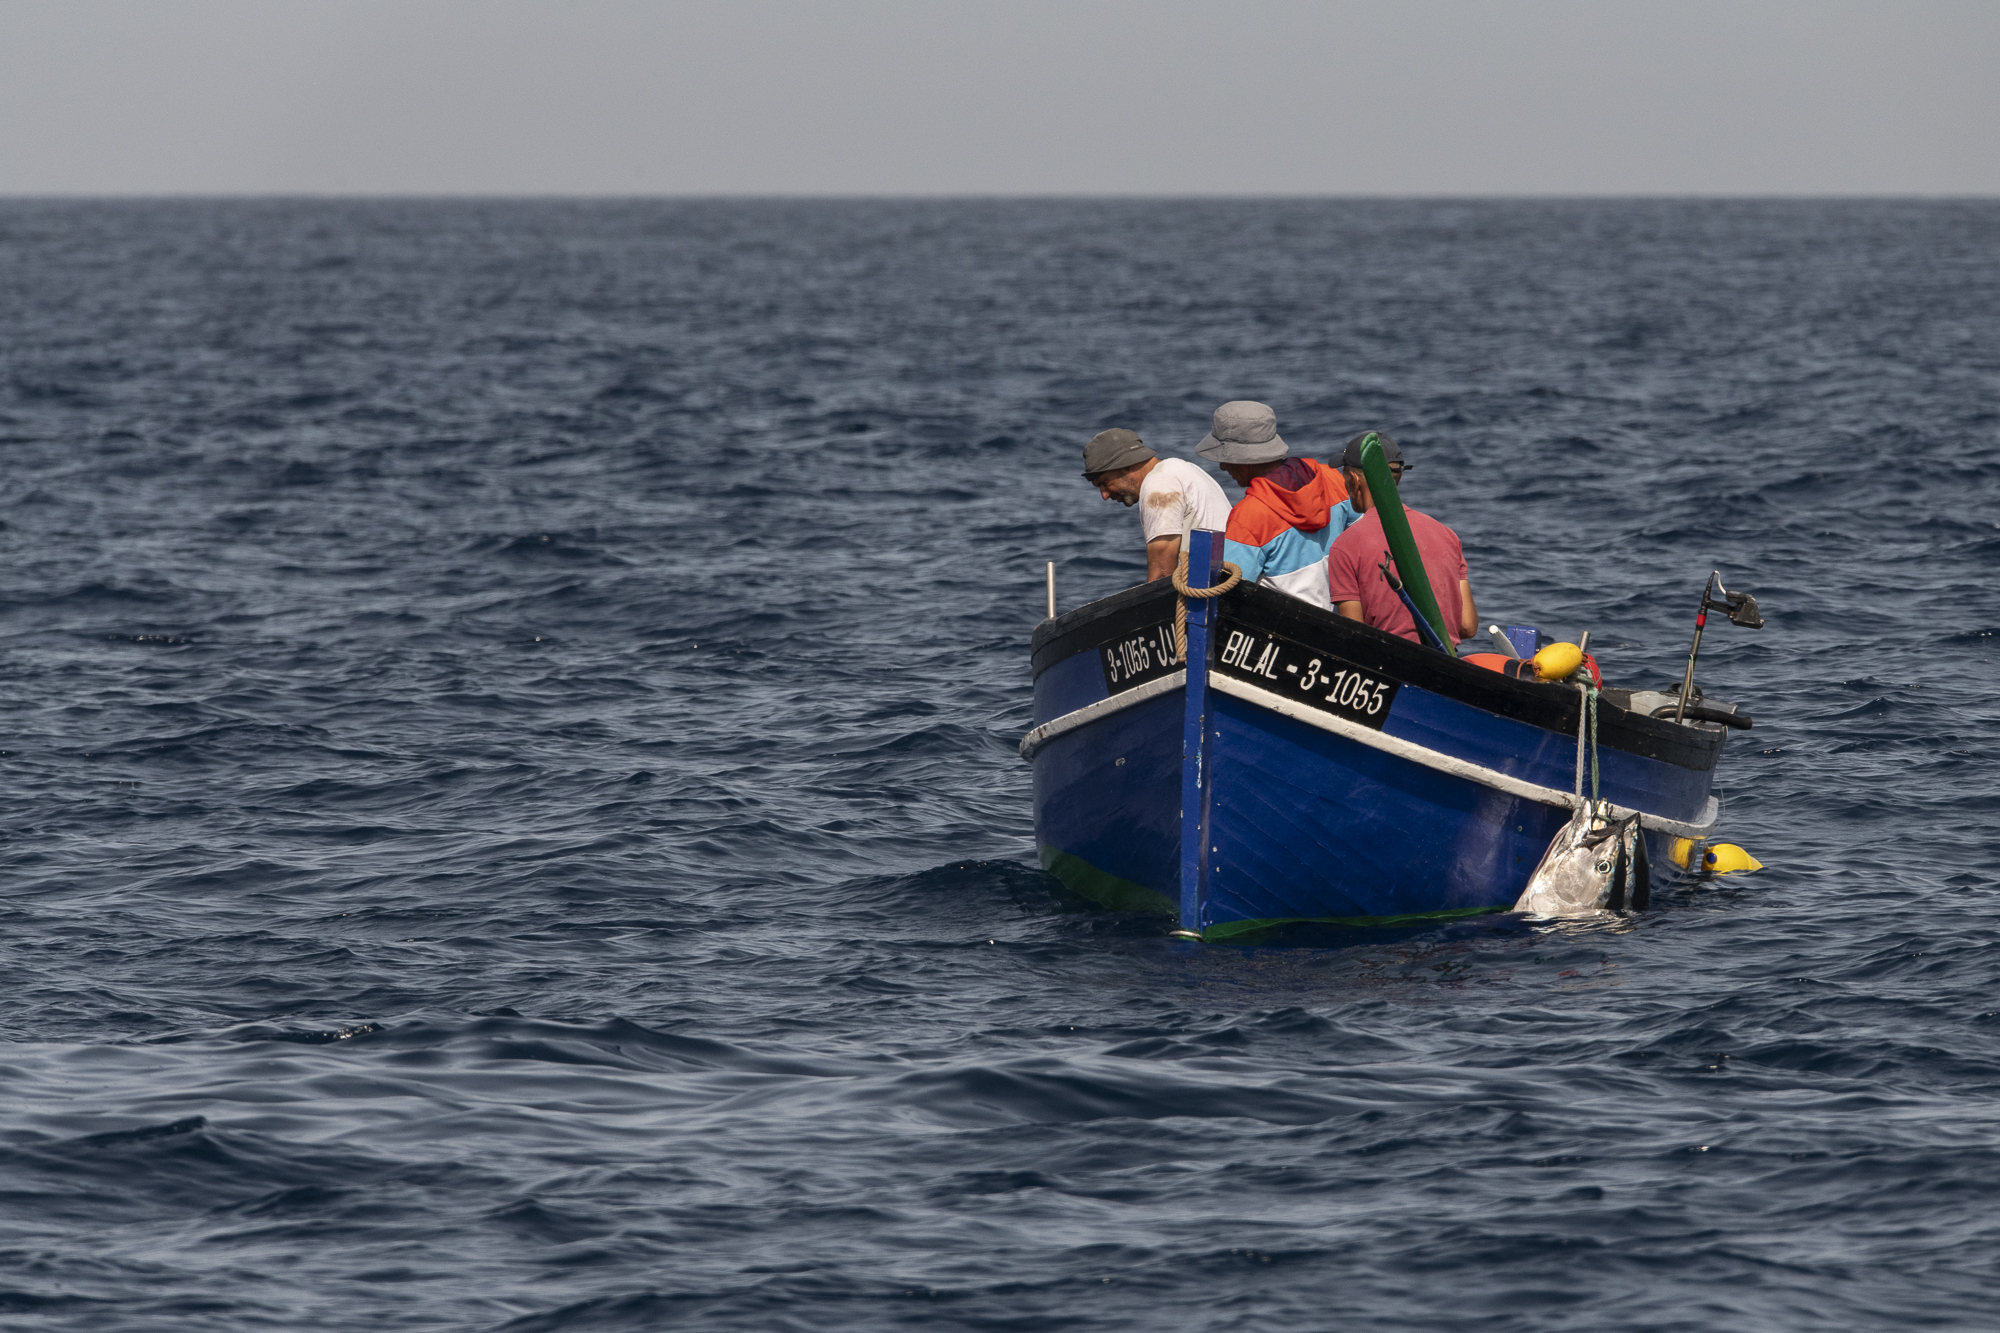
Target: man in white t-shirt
(1173, 496)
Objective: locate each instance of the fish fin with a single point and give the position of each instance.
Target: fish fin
(1616, 900)
(1642, 871)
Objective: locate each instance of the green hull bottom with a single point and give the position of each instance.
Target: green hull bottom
(1122, 895)
(1245, 932)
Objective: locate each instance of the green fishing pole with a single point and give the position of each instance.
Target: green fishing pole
(1402, 543)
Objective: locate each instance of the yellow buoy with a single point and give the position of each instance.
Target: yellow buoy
(1558, 661)
(1724, 857)
(1680, 851)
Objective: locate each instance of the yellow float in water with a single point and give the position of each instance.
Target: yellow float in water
(1558, 661)
(1727, 856)
(1719, 859)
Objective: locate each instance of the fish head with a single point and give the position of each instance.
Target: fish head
(1578, 873)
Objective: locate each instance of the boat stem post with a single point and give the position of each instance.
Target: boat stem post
(1052, 590)
(1194, 731)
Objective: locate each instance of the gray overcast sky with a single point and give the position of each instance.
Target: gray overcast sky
(1006, 97)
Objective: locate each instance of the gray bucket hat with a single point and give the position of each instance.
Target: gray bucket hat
(1111, 449)
(1244, 432)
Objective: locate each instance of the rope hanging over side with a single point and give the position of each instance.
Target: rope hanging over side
(1586, 723)
(1180, 603)
(1590, 693)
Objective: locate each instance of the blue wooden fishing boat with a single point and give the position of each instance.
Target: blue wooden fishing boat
(1300, 766)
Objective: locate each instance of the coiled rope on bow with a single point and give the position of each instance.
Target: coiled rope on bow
(1180, 603)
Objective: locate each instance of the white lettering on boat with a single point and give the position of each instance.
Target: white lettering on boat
(1324, 681)
(1138, 658)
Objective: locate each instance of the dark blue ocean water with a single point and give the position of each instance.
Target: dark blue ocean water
(511, 817)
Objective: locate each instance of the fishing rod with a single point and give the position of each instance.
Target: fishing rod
(1423, 626)
(1740, 607)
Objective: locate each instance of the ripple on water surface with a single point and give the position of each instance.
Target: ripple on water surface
(514, 819)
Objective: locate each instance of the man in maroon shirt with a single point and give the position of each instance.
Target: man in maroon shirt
(1354, 567)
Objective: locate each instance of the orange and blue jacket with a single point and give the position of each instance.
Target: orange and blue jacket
(1282, 528)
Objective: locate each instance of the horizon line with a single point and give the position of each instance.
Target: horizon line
(752, 196)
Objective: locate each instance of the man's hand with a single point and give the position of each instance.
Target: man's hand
(1162, 554)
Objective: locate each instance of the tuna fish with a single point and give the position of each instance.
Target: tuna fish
(1596, 863)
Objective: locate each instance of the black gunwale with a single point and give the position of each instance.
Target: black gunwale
(1548, 706)
(1099, 622)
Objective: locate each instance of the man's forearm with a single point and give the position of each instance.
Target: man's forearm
(1162, 554)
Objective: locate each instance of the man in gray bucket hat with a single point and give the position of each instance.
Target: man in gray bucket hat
(1244, 434)
(1291, 510)
(1173, 495)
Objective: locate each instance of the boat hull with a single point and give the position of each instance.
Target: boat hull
(1414, 786)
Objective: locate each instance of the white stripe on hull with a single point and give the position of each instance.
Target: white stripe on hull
(1089, 713)
(1702, 826)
